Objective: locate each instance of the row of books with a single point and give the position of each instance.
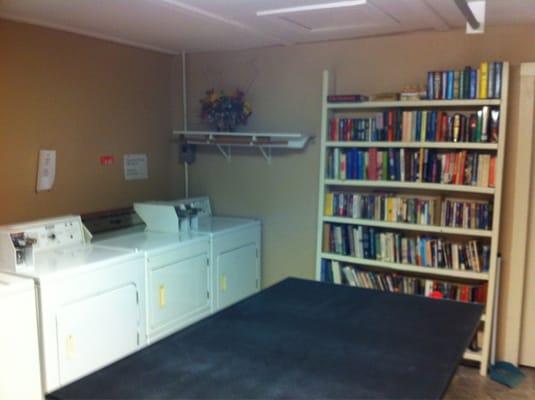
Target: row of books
(424, 210)
(412, 165)
(484, 82)
(397, 247)
(421, 125)
(466, 213)
(389, 207)
(336, 272)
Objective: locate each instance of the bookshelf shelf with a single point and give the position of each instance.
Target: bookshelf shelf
(418, 269)
(434, 119)
(410, 185)
(472, 355)
(416, 145)
(411, 227)
(376, 105)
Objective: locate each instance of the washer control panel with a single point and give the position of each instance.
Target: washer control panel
(20, 242)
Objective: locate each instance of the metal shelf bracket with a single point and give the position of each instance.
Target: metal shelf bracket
(227, 154)
(266, 152)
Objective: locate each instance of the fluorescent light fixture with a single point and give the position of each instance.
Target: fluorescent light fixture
(312, 7)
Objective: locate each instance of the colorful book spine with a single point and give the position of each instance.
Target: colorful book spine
(359, 276)
(423, 165)
(470, 83)
(396, 247)
(416, 125)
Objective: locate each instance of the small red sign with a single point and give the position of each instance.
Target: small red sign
(107, 160)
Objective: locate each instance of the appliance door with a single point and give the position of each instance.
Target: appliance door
(237, 275)
(236, 258)
(20, 376)
(90, 318)
(96, 331)
(179, 289)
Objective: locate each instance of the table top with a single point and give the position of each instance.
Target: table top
(300, 339)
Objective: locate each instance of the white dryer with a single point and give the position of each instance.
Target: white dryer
(20, 372)
(235, 245)
(91, 298)
(178, 277)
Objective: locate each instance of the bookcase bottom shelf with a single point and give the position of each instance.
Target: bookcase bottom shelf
(437, 272)
(471, 355)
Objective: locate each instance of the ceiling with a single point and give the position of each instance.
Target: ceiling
(172, 26)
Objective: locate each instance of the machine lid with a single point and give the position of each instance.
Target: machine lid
(148, 241)
(10, 284)
(74, 259)
(224, 224)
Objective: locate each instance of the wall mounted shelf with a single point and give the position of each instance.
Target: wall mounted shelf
(224, 141)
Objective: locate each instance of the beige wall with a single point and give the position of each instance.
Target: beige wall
(284, 85)
(84, 98)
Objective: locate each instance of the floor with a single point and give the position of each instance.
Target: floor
(468, 384)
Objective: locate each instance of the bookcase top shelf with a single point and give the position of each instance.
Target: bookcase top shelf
(410, 227)
(438, 272)
(378, 105)
(411, 185)
(418, 145)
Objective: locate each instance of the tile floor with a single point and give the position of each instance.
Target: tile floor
(468, 384)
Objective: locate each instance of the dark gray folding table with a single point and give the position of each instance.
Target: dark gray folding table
(299, 339)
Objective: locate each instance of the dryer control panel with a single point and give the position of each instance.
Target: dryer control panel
(20, 242)
(201, 204)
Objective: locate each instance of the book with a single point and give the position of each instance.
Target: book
(483, 80)
(347, 98)
(384, 97)
(336, 272)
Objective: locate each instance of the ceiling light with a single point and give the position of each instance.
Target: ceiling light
(312, 7)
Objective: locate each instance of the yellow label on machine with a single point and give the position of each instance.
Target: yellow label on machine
(70, 347)
(162, 296)
(223, 283)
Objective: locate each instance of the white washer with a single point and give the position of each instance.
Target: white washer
(20, 375)
(91, 298)
(177, 276)
(235, 245)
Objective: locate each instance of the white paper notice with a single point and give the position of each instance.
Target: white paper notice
(46, 170)
(135, 167)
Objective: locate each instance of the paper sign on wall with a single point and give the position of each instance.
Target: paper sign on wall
(135, 167)
(46, 170)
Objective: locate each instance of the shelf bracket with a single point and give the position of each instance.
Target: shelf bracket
(226, 154)
(266, 154)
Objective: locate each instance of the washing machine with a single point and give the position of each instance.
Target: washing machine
(90, 298)
(177, 274)
(20, 373)
(235, 244)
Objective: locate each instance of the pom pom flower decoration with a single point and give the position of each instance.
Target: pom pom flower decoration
(223, 111)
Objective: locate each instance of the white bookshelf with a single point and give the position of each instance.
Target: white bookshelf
(330, 110)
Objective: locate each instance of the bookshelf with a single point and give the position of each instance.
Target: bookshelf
(478, 245)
